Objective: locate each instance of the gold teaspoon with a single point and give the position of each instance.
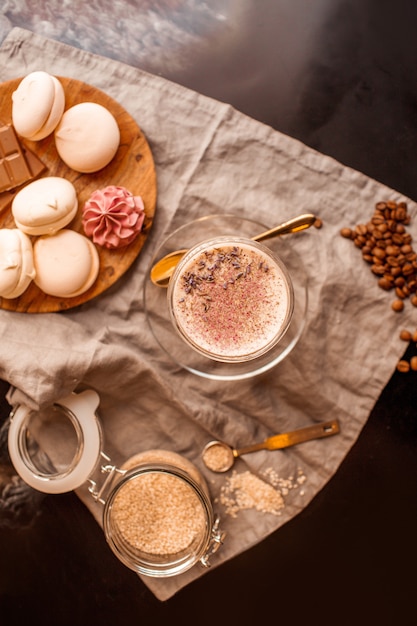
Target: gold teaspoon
(219, 456)
(163, 269)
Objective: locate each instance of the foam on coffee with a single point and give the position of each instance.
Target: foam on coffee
(231, 299)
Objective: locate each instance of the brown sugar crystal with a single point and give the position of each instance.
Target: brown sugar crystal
(247, 491)
(218, 457)
(158, 513)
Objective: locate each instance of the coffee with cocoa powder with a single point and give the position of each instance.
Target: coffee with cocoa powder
(231, 299)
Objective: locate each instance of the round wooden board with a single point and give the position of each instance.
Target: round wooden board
(132, 168)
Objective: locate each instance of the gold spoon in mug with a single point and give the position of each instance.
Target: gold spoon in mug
(163, 269)
(219, 456)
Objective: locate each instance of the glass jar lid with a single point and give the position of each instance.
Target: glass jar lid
(71, 443)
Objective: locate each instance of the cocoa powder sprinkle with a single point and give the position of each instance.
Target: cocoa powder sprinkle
(229, 301)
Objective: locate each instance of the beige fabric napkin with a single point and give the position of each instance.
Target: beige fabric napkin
(210, 159)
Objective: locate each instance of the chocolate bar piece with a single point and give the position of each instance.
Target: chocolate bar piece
(14, 169)
(36, 166)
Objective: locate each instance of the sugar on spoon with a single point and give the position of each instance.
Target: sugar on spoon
(163, 269)
(220, 457)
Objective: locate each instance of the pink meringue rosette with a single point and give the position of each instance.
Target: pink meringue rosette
(113, 217)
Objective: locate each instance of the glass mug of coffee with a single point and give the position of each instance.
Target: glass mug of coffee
(231, 299)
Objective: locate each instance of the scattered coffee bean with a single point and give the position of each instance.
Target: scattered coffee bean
(405, 335)
(318, 223)
(403, 366)
(347, 233)
(397, 305)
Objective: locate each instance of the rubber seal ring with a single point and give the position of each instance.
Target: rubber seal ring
(83, 407)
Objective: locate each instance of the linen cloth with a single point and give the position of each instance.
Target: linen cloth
(211, 159)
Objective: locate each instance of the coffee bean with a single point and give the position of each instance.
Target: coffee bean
(405, 335)
(403, 366)
(406, 249)
(396, 271)
(392, 250)
(359, 240)
(398, 306)
(377, 269)
(379, 253)
(398, 239)
(393, 261)
(385, 283)
(361, 229)
(347, 233)
(401, 214)
(413, 363)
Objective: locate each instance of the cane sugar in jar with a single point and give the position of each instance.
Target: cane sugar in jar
(159, 519)
(157, 513)
(231, 299)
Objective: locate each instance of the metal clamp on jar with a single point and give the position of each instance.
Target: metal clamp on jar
(158, 517)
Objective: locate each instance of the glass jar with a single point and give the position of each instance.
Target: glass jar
(157, 513)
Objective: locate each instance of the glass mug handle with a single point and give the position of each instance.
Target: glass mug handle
(80, 408)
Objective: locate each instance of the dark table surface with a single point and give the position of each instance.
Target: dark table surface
(341, 76)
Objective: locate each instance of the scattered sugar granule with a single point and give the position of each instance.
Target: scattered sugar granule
(248, 491)
(284, 484)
